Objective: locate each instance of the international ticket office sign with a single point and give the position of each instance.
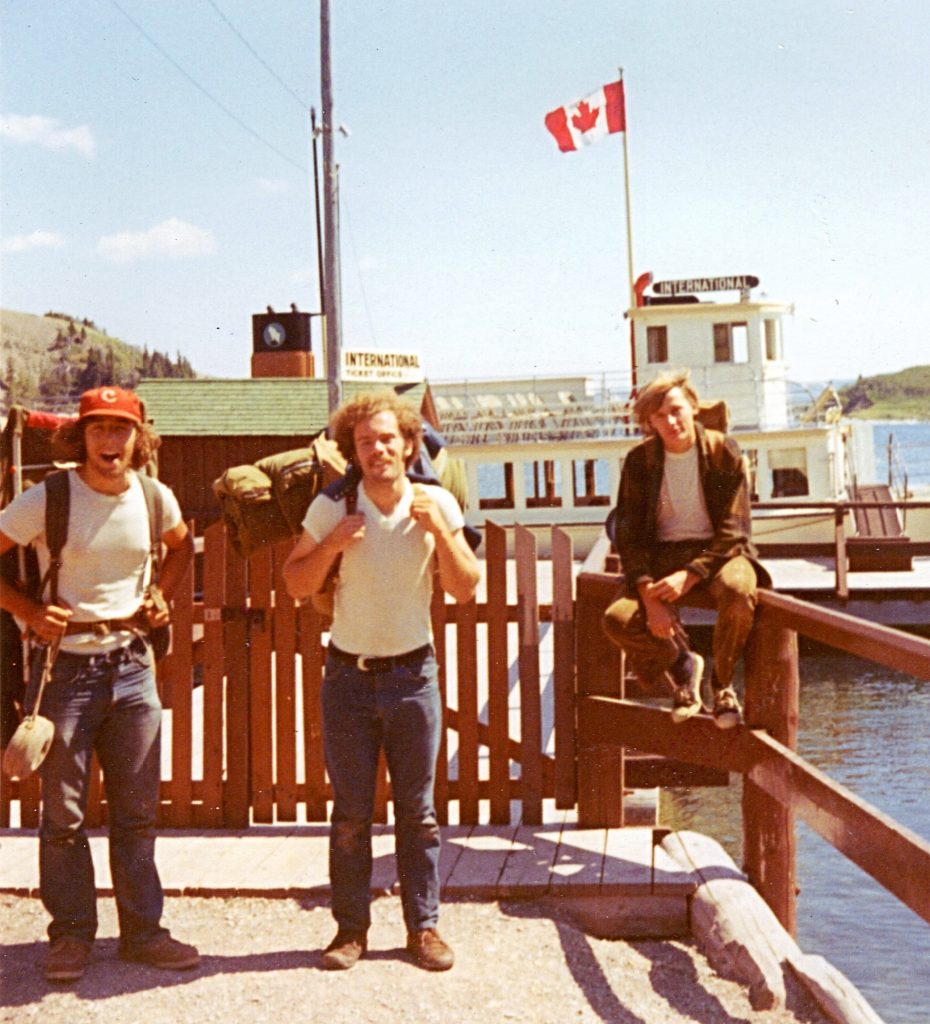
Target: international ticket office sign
(377, 365)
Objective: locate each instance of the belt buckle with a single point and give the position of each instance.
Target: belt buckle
(361, 663)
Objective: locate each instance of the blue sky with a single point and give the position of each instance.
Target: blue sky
(162, 186)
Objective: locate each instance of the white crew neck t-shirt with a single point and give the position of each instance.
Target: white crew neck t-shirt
(105, 561)
(682, 512)
(382, 601)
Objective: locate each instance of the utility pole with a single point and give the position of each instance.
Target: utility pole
(332, 319)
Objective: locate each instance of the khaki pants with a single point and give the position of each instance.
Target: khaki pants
(733, 591)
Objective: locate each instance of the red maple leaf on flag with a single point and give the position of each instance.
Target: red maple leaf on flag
(586, 117)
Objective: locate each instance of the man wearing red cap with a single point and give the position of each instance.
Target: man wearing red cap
(101, 696)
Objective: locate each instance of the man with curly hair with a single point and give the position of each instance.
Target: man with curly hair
(101, 696)
(381, 688)
(682, 522)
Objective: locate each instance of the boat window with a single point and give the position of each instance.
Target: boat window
(543, 484)
(772, 340)
(495, 485)
(590, 481)
(731, 343)
(657, 344)
(789, 472)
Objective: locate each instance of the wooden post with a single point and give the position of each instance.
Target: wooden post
(214, 588)
(236, 793)
(769, 842)
(600, 766)
(531, 771)
(495, 544)
(563, 615)
(842, 586)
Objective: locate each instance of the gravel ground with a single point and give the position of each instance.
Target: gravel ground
(516, 962)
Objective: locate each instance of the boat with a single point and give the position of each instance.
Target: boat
(544, 451)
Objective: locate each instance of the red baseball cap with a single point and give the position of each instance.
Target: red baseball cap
(111, 401)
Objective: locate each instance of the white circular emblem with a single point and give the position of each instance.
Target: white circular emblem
(274, 335)
(108, 395)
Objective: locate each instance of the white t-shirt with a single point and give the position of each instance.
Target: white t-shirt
(105, 561)
(382, 601)
(682, 512)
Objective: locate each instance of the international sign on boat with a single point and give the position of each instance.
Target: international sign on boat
(735, 282)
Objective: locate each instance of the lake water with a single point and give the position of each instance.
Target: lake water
(869, 729)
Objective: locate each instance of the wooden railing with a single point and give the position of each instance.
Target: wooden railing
(843, 543)
(778, 783)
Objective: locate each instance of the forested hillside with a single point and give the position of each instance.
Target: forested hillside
(49, 360)
(890, 396)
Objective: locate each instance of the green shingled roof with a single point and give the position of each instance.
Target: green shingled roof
(251, 407)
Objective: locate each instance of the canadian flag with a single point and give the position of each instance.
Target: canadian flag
(580, 124)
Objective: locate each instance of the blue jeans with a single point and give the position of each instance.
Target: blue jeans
(106, 703)
(363, 712)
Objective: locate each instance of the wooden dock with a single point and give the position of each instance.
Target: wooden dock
(626, 867)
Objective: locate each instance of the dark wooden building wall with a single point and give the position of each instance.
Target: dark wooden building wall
(189, 465)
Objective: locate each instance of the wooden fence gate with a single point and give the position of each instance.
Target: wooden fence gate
(242, 740)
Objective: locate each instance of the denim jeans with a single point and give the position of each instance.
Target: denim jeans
(106, 703)
(363, 712)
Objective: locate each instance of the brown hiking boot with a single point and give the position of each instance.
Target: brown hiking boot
(67, 958)
(345, 951)
(430, 950)
(165, 953)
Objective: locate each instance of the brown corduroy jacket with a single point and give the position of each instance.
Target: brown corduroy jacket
(726, 493)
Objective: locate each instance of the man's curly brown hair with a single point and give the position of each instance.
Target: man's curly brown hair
(68, 443)
(348, 416)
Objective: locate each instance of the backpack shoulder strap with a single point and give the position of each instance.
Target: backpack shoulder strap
(57, 512)
(156, 509)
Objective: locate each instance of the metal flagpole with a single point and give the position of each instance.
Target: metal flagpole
(629, 236)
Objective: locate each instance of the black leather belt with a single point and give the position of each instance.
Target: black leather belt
(367, 663)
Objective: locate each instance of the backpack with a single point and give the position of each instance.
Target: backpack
(57, 512)
(266, 502)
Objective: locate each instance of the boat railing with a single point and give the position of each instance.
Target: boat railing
(779, 784)
(517, 417)
(840, 547)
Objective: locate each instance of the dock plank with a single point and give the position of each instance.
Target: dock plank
(579, 862)
(384, 866)
(632, 863)
(482, 855)
(529, 864)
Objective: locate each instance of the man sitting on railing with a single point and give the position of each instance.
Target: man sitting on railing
(683, 521)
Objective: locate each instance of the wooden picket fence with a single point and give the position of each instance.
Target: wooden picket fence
(241, 686)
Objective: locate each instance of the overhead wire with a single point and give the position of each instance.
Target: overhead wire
(202, 89)
(261, 60)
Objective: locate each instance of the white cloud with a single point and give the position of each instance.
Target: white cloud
(272, 186)
(172, 239)
(34, 240)
(47, 132)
